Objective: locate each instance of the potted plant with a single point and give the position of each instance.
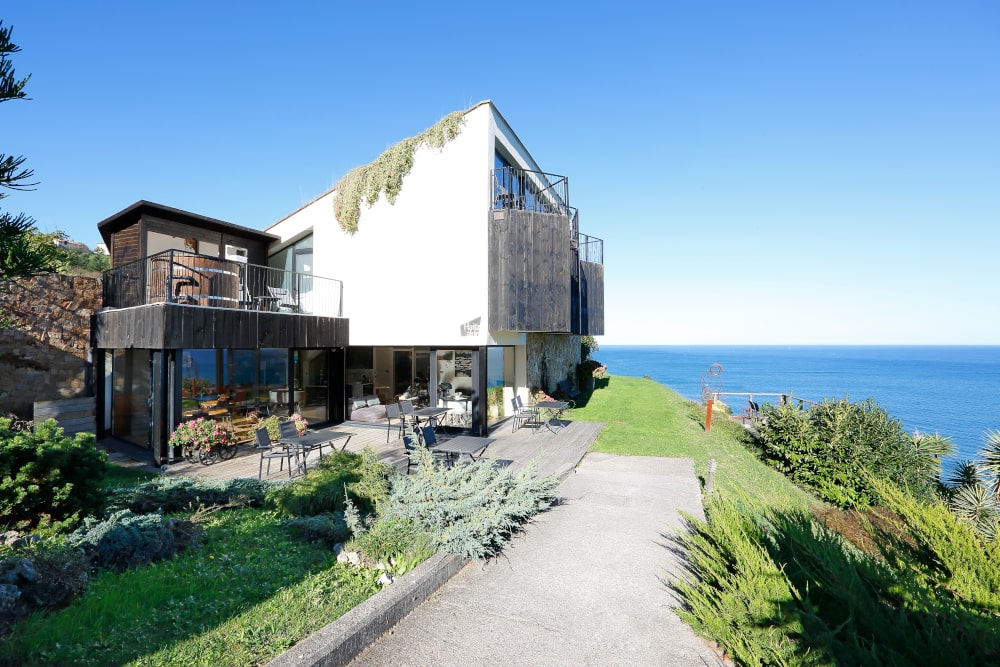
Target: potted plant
(494, 399)
(200, 439)
(300, 423)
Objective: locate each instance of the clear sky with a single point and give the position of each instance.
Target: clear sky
(760, 172)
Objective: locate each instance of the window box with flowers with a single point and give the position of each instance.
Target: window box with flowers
(203, 440)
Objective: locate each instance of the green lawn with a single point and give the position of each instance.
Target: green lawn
(645, 418)
(249, 593)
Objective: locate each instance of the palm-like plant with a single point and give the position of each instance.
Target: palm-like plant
(965, 473)
(976, 505)
(990, 460)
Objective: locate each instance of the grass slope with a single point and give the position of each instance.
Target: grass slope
(645, 418)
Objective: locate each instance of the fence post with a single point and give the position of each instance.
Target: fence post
(708, 415)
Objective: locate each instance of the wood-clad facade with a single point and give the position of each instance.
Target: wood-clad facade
(537, 281)
(163, 354)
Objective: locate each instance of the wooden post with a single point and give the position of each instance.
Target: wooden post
(708, 416)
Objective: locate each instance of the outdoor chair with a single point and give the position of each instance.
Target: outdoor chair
(523, 415)
(392, 412)
(406, 407)
(287, 430)
(283, 299)
(270, 451)
(751, 412)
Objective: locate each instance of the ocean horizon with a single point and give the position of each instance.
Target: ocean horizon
(952, 390)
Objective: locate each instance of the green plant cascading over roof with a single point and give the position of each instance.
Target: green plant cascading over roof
(385, 174)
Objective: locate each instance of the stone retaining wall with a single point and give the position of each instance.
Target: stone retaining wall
(44, 355)
(551, 359)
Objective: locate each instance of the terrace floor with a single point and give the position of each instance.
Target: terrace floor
(553, 453)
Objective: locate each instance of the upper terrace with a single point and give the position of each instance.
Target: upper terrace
(181, 280)
(548, 277)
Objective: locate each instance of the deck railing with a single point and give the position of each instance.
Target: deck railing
(591, 249)
(538, 192)
(530, 191)
(177, 276)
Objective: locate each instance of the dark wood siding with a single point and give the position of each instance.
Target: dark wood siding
(125, 246)
(176, 326)
(591, 299)
(256, 250)
(530, 272)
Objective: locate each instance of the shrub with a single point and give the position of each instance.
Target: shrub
(47, 478)
(396, 543)
(124, 539)
(828, 447)
(778, 588)
(471, 509)
(40, 578)
(328, 528)
(172, 494)
(325, 488)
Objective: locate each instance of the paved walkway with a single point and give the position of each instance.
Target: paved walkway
(582, 585)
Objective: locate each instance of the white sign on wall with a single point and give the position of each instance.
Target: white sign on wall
(471, 328)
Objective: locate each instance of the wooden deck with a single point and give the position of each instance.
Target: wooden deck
(553, 453)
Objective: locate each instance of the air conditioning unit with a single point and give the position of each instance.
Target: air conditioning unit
(236, 254)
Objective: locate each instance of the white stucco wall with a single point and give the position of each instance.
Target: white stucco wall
(415, 271)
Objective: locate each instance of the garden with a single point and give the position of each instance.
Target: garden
(832, 536)
(105, 566)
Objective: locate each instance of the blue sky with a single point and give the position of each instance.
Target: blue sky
(761, 173)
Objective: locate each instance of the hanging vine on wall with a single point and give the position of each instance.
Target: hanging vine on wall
(385, 174)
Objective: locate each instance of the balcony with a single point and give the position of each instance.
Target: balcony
(181, 300)
(187, 278)
(546, 275)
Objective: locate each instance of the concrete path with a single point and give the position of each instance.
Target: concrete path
(582, 586)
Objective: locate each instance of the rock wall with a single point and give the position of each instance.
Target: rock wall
(552, 358)
(44, 354)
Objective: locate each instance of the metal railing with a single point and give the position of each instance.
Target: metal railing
(538, 192)
(591, 249)
(534, 191)
(177, 276)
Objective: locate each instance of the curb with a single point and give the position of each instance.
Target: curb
(341, 641)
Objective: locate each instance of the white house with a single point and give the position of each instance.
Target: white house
(469, 284)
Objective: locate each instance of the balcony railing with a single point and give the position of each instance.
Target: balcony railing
(591, 249)
(533, 191)
(538, 192)
(176, 276)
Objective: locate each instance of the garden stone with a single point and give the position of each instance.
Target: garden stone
(385, 579)
(10, 537)
(18, 570)
(9, 595)
(352, 557)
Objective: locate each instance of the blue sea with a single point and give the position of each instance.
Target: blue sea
(950, 390)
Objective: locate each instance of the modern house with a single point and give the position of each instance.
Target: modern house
(197, 309)
(469, 279)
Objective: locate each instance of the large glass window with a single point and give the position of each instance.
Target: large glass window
(311, 368)
(131, 390)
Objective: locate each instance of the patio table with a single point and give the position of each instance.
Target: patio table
(431, 415)
(549, 412)
(464, 444)
(311, 440)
